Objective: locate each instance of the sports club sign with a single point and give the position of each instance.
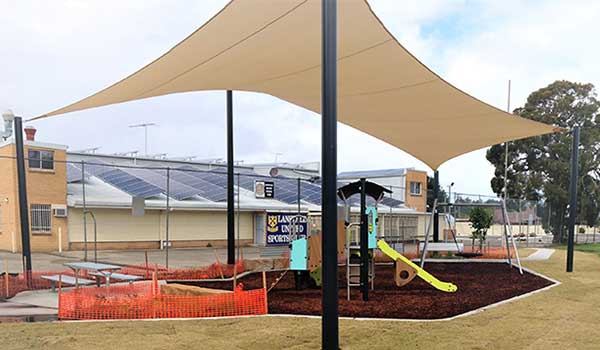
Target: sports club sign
(280, 225)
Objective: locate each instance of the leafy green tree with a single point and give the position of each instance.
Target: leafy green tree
(442, 195)
(539, 167)
(590, 202)
(481, 220)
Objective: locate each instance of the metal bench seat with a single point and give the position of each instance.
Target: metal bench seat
(442, 247)
(118, 276)
(67, 280)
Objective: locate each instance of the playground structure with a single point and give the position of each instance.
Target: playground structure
(437, 246)
(358, 252)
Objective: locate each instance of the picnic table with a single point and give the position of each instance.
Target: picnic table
(54, 279)
(104, 270)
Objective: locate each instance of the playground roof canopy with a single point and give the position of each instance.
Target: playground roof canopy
(274, 47)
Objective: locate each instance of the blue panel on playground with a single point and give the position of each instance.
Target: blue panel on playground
(372, 214)
(298, 255)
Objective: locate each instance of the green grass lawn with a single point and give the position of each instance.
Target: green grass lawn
(587, 248)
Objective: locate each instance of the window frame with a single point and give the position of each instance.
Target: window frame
(40, 160)
(420, 187)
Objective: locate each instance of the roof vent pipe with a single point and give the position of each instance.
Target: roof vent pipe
(8, 117)
(30, 133)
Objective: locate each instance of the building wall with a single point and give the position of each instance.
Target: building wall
(43, 187)
(8, 201)
(118, 229)
(417, 202)
(48, 187)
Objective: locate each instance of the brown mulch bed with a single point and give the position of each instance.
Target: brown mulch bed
(479, 284)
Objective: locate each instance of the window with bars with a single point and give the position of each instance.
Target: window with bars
(41, 218)
(41, 160)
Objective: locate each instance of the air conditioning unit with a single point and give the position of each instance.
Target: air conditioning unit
(59, 211)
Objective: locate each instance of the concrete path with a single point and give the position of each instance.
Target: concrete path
(12, 309)
(44, 299)
(40, 298)
(540, 254)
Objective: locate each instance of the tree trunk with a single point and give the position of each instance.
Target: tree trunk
(557, 223)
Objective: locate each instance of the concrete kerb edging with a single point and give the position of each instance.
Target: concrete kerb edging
(555, 283)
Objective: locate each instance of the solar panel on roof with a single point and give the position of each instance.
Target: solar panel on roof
(205, 188)
(73, 174)
(130, 184)
(158, 178)
(123, 181)
(391, 202)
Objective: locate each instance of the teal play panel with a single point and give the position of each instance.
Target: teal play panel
(298, 255)
(372, 214)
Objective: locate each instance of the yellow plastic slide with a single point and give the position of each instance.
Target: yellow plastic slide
(424, 275)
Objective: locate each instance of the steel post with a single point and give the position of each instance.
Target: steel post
(436, 193)
(22, 191)
(230, 183)
(573, 195)
(329, 329)
(364, 241)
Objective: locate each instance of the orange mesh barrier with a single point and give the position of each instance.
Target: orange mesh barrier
(488, 253)
(208, 272)
(140, 301)
(491, 253)
(21, 282)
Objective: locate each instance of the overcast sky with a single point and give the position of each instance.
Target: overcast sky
(55, 52)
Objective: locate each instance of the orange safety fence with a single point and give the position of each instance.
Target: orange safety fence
(16, 283)
(487, 253)
(490, 252)
(213, 271)
(144, 301)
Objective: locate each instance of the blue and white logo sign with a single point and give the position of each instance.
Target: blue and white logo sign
(280, 225)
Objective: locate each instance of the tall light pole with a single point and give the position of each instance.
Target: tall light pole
(145, 126)
(504, 191)
(450, 192)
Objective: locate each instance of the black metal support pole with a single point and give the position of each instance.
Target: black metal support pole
(167, 217)
(329, 329)
(436, 221)
(364, 241)
(298, 200)
(573, 195)
(23, 205)
(95, 237)
(85, 247)
(230, 183)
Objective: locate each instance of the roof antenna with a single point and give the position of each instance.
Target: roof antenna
(277, 154)
(145, 126)
(504, 191)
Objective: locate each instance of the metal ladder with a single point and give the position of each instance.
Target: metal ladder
(352, 246)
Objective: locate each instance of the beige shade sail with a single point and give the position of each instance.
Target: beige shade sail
(274, 47)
